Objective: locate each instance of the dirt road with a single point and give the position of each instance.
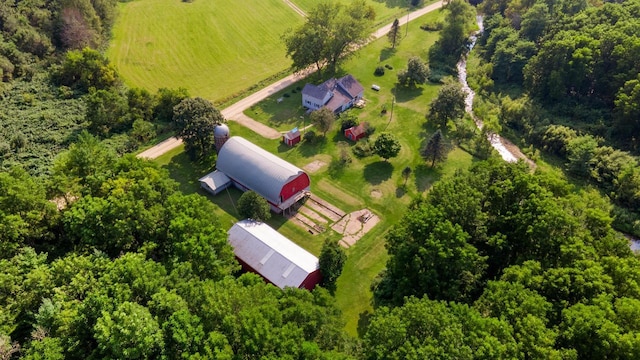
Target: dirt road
(235, 111)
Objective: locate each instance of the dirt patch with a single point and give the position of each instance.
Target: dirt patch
(314, 166)
(355, 225)
(376, 194)
(312, 215)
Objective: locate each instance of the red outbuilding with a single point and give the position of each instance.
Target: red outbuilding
(356, 133)
(292, 137)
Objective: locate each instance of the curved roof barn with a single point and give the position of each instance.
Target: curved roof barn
(254, 168)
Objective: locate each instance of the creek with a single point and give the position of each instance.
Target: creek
(496, 140)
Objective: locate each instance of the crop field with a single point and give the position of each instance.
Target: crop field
(213, 48)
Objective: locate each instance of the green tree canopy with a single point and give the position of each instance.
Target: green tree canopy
(435, 149)
(386, 146)
(416, 73)
(332, 259)
(449, 105)
(253, 206)
(323, 119)
(195, 119)
(394, 34)
(84, 69)
(428, 255)
(329, 34)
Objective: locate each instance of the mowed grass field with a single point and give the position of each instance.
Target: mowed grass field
(386, 10)
(213, 48)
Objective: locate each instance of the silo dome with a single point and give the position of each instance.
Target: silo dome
(220, 135)
(221, 130)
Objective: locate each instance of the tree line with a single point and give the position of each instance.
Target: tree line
(563, 76)
(497, 262)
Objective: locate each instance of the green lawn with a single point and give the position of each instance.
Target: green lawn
(213, 48)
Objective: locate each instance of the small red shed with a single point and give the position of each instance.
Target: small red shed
(292, 137)
(356, 133)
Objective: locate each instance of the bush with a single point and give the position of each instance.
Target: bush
(379, 71)
(5, 149)
(436, 26)
(348, 123)
(362, 149)
(310, 137)
(18, 141)
(286, 95)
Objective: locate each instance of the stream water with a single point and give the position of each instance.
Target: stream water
(496, 140)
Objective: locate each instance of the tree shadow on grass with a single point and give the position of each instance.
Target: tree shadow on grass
(426, 176)
(386, 53)
(377, 172)
(186, 172)
(400, 191)
(404, 94)
(309, 149)
(364, 319)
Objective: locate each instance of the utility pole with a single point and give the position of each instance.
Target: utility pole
(391, 116)
(408, 12)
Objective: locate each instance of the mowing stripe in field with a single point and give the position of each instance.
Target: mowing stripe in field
(212, 48)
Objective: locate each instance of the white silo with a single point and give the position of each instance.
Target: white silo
(220, 135)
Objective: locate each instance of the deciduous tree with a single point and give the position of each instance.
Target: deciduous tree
(386, 146)
(253, 206)
(330, 33)
(195, 119)
(416, 73)
(448, 105)
(323, 119)
(332, 259)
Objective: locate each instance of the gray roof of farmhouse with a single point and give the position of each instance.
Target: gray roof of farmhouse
(351, 85)
(314, 91)
(347, 83)
(255, 168)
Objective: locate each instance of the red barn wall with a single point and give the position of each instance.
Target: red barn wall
(311, 280)
(291, 188)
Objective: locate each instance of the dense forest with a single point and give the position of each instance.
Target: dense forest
(563, 77)
(102, 257)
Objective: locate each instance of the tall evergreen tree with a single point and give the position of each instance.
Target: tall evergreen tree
(394, 33)
(436, 149)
